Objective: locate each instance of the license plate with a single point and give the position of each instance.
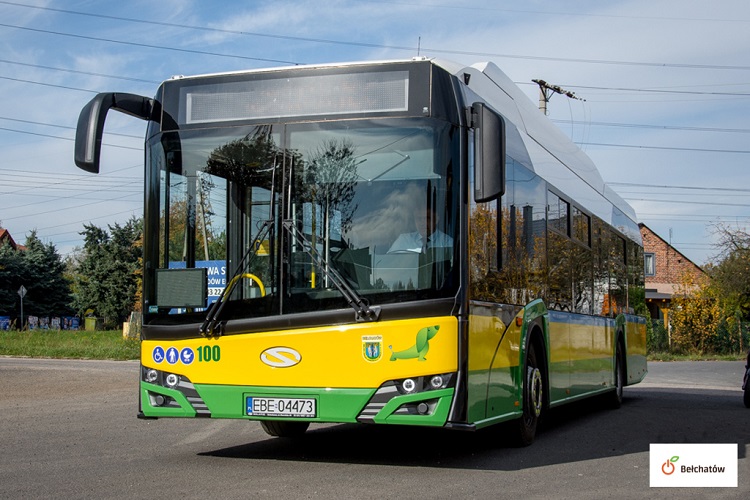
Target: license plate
(282, 407)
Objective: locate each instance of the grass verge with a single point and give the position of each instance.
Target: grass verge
(111, 345)
(68, 344)
(670, 356)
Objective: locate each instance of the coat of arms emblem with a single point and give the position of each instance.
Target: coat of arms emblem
(372, 347)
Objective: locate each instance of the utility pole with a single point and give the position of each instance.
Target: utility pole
(545, 93)
(22, 294)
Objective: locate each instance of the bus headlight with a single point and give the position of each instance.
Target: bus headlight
(408, 385)
(416, 385)
(151, 376)
(172, 380)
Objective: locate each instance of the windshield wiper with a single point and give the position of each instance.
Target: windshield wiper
(362, 310)
(210, 326)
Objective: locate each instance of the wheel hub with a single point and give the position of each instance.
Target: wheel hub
(536, 386)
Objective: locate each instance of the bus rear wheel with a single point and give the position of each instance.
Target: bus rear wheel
(533, 398)
(284, 429)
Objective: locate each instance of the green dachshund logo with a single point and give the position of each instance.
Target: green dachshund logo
(418, 350)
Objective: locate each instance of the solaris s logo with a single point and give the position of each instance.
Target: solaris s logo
(280, 357)
(668, 467)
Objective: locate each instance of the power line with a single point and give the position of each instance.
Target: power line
(145, 45)
(84, 220)
(78, 72)
(702, 195)
(36, 133)
(62, 126)
(667, 218)
(587, 61)
(258, 34)
(68, 70)
(648, 214)
(45, 84)
(700, 188)
(343, 42)
(554, 13)
(76, 176)
(659, 91)
(629, 146)
(107, 174)
(66, 208)
(667, 148)
(34, 178)
(657, 127)
(438, 6)
(82, 185)
(64, 138)
(716, 203)
(55, 199)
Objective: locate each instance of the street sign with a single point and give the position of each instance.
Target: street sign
(22, 293)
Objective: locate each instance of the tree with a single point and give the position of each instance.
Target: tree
(11, 276)
(48, 290)
(106, 273)
(731, 276)
(40, 269)
(696, 316)
(712, 315)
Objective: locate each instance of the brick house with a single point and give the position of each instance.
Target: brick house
(664, 268)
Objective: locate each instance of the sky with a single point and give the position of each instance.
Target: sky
(663, 90)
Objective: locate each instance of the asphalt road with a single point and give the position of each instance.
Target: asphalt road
(68, 430)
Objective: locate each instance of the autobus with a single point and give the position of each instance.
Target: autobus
(273, 287)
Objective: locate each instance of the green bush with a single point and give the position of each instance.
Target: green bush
(657, 337)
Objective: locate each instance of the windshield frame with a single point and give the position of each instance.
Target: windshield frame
(282, 210)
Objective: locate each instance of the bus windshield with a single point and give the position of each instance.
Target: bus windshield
(374, 201)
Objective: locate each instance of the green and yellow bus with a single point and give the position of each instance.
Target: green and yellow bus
(402, 242)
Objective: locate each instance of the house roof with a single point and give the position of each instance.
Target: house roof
(5, 236)
(641, 225)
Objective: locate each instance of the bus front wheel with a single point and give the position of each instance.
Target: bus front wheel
(533, 398)
(284, 429)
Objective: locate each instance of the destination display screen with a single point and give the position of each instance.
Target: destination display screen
(312, 95)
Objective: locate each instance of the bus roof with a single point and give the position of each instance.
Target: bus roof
(546, 145)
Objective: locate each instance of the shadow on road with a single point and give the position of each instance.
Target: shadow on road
(577, 432)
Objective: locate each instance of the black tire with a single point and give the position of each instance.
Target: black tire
(280, 428)
(533, 398)
(614, 398)
(746, 398)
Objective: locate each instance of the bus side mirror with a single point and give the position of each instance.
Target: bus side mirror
(88, 145)
(489, 153)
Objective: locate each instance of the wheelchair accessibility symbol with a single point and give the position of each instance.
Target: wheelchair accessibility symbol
(158, 354)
